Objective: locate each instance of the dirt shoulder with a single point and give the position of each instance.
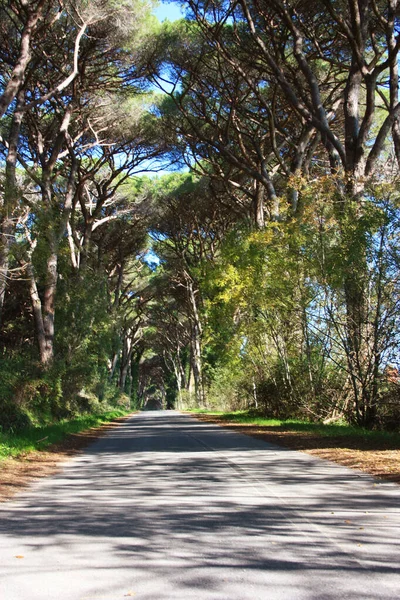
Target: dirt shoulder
(17, 473)
(381, 461)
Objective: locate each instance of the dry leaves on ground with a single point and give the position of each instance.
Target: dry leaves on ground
(17, 473)
(364, 455)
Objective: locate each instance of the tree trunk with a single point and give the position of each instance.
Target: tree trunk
(197, 367)
(359, 342)
(135, 395)
(114, 361)
(190, 384)
(126, 357)
(7, 228)
(17, 77)
(37, 311)
(178, 380)
(47, 354)
(196, 334)
(10, 200)
(55, 234)
(259, 217)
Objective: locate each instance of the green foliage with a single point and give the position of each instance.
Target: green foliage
(337, 430)
(13, 417)
(163, 289)
(40, 437)
(276, 307)
(228, 387)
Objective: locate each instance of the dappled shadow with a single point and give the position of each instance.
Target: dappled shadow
(379, 457)
(15, 475)
(308, 440)
(181, 509)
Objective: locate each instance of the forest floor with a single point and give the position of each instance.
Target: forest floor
(17, 473)
(378, 458)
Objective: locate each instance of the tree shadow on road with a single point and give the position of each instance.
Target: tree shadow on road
(167, 507)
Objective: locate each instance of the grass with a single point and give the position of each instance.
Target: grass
(331, 430)
(40, 437)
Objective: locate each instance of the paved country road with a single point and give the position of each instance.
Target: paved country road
(167, 507)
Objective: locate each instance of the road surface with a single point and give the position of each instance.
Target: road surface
(166, 507)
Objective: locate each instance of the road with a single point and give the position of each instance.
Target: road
(166, 507)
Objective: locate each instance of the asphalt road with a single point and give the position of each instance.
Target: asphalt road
(166, 507)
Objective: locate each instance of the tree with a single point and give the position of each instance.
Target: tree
(188, 226)
(243, 137)
(64, 128)
(333, 67)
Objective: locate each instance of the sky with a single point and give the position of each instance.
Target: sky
(169, 10)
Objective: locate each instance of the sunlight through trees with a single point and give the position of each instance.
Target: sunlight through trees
(201, 212)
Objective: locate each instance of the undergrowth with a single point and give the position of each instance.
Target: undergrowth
(328, 430)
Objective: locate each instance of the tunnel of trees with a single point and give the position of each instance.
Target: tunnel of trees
(202, 212)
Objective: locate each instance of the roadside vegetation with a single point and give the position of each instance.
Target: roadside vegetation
(374, 452)
(336, 430)
(260, 270)
(40, 437)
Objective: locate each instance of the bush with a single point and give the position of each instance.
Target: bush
(388, 408)
(13, 418)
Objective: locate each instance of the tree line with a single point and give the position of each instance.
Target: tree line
(263, 270)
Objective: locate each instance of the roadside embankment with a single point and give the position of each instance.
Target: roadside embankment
(373, 452)
(38, 451)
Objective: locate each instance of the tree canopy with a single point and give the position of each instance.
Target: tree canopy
(202, 212)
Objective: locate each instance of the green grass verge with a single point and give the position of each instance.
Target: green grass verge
(40, 437)
(332, 430)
